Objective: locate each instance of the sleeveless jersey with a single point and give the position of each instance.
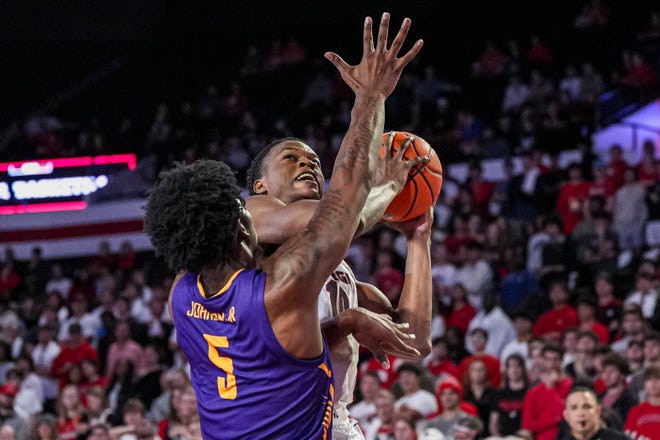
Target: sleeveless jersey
(339, 293)
(247, 385)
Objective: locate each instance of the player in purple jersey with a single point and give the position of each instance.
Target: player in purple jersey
(249, 326)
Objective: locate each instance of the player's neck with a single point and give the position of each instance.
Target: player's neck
(214, 279)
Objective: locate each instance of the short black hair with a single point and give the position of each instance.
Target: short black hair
(409, 366)
(583, 388)
(553, 348)
(256, 170)
(617, 361)
(192, 215)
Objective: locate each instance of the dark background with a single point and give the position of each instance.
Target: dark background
(164, 50)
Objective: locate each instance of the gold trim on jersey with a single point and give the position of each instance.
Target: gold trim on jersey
(222, 290)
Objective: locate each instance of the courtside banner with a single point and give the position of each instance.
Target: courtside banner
(62, 184)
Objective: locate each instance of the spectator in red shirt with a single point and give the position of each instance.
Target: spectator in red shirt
(479, 340)
(481, 189)
(572, 195)
(550, 324)
(544, 403)
(75, 350)
(586, 310)
(388, 278)
(440, 364)
(647, 170)
(616, 167)
(644, 419)
(462, 311)
(539, 53)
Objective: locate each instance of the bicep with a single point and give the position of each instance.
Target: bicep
(372, 298)
(276, 222)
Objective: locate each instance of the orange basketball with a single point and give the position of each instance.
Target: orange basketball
(422, 189)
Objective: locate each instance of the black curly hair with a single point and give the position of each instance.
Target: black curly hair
(192, 215)
(256, 170)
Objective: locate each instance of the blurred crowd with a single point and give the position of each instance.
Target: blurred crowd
(543, 280)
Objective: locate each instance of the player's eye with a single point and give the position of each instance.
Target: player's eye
(290, 157)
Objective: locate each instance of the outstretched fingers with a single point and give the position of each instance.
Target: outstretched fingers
(400, 37)
(381, 46)
(367, 37)
(412, 53)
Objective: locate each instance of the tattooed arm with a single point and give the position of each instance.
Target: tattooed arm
(298, 269)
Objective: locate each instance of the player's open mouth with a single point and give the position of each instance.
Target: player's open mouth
(307, 177)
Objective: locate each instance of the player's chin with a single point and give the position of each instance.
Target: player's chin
(308, 192)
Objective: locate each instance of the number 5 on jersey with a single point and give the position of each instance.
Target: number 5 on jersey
(226, 388)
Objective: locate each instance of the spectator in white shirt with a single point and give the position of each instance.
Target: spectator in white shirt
(645, 296)
(515, 95)
(498, 325)
(58, 282)
(415, 402)
(571, 83)
(523, 324)
(476, 274)
(43, 355)
(365, 410)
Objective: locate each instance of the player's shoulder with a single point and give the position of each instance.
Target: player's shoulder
(262, 201)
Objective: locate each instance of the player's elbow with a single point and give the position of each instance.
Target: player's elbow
(424, 349)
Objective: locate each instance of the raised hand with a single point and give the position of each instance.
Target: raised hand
(381, 335)
(393, 167)
(379, 70)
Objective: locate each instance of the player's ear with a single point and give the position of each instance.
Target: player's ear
(259, 186)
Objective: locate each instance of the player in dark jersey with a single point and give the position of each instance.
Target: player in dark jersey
(249, 326)
(281, 208)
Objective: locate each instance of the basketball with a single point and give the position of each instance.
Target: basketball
(422, 189)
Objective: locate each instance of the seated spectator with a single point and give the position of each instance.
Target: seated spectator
(632, 328)
(124, 348)
(415, 402)
(571, 196)
(185, 414)
(450, 395)
(479, 391)
(74, 351)
(475, 274)
(617, 396)
(404, 428)
(651, 349)
(365, 410)
(506, 412)
(70, 414)
(630, 211)
(8, 417)
(462, 311)
(583, 368)
(644, 296)
(45, 427)
(610, 310)
(495, 322)
(479, 340)
(133, 416)
(544, 403)
(522, 324)
(519, 286)
(550, 324)
(643, 419)
(586, 311)
(382, 426)
(438, 362)
(97, 409)
(121, 387)
(468, 428)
